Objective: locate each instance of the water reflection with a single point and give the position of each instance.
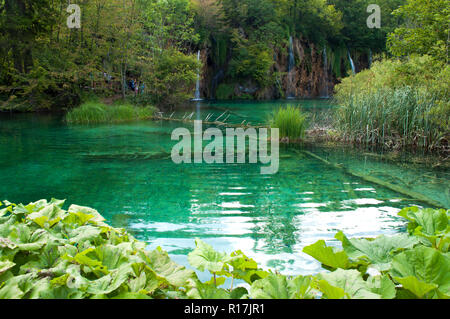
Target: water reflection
(232, 207)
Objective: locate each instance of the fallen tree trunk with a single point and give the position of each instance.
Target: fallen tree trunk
(414, 195)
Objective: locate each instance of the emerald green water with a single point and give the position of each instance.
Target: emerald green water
(270, 217)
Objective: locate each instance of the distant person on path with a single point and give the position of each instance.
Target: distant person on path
(142, 87)
(136, 89)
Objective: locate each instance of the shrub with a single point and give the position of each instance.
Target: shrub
(290, 121)
(172, 78)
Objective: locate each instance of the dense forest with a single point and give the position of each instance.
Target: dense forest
(244, 44)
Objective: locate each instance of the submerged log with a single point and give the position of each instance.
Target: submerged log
(414, 195)
(218, 123)
(128, 156)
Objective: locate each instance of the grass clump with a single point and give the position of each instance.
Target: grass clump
(96, 113)
(290, 121)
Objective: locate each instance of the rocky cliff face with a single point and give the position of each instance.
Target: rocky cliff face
(315, 73)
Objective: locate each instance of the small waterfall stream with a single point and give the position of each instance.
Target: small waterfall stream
(197, 86)
(351, 62)
(290, 90)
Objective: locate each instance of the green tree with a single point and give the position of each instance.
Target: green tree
(425, 29)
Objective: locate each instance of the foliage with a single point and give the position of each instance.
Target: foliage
(95, 113)
(173, 78)
(290, 121)
(424, 31)
(397, 103)
(252, 62)
(45, 65)
(48, 252)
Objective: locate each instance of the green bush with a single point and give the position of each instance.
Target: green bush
(48, 252)
(253, 62)
(96, 113)
(172, 77)
(290, 121)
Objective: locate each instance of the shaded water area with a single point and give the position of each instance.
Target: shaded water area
(125, 172)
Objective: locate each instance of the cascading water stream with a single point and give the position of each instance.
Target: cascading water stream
(291, 65)
(351, 62)
(197, 86)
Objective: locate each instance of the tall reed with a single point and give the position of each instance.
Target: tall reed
(390, 117)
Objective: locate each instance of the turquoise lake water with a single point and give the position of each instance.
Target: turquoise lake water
(121, 170)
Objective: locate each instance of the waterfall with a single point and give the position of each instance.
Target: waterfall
(370, 58)
(291, 65)
(351, 62)
(291, 55)
(325, 72)
(197, 86)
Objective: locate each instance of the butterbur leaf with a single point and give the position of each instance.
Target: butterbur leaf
(83, 259)
(5, 211)
(243, 268)
(280, 287)
(239, 293)
(204, 257)
(382, 286)
(427, 265)
(160, 262)
(16, 287)
(111, 282)
(47, 216)
(431, 222)
(350, 281)
(250, 276)
(198, 290)
(84, 233)
(219, 281)
(327, 256)
(379, 250)
(331, 292)
(87, 211)
(417, 287)
(6, 265)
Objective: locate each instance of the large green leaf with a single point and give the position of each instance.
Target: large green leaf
(431, 221)
(379, 250)
(110, 282)
(382, 286)
(280, 287)
(48, 215)
(5, 265)
(348, 281)
(160, 262)
(198, 290)
(80, 211)
(429, 266)
(204, 257)
(328, 256)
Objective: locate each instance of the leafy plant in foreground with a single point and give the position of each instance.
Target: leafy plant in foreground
(48, 252)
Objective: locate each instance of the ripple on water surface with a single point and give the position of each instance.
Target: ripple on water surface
(124, 172)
